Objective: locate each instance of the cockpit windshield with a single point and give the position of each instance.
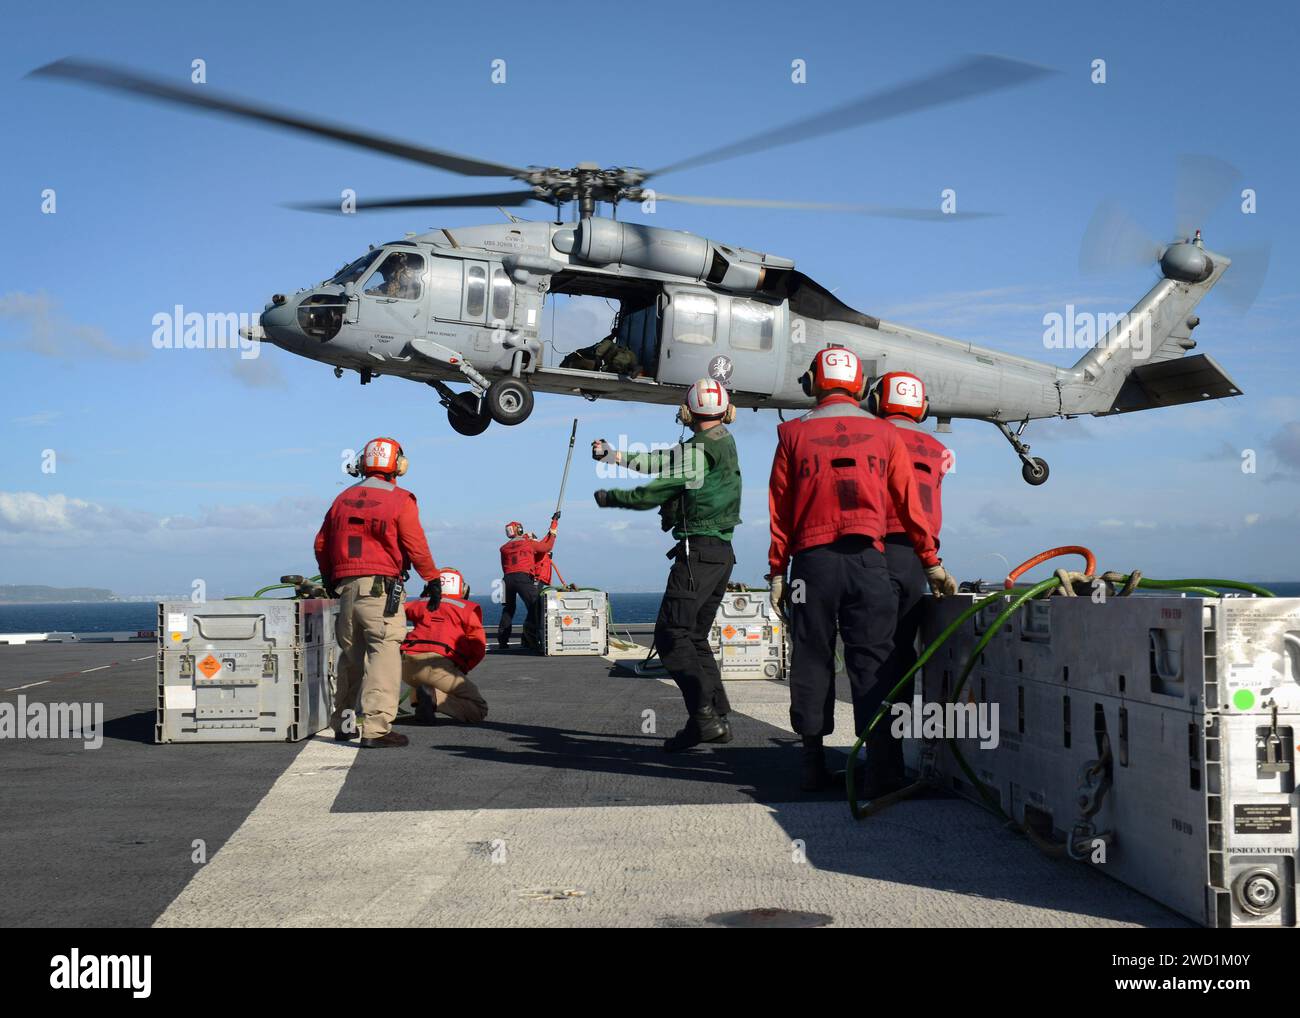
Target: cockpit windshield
(352, 272)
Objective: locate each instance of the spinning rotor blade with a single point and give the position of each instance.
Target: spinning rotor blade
(882, 211)
(489, 200)
(973, 76)
(1115, 241)
(1245, 276)
(1203, 184)
(105, 76)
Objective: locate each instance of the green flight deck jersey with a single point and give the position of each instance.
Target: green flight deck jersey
(696, 487)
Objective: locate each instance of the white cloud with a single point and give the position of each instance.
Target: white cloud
(43, 329)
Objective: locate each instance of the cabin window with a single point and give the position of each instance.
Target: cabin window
(475, 290)
(502, 292)
(398, 277)
(695, 317)
(752, 324)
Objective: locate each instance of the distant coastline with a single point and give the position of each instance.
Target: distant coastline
(38, 594)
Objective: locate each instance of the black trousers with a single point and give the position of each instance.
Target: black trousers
(907, 578)
(523, 587)
(696, 584)
(841, 586)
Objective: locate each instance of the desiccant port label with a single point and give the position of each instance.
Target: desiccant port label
(1261, 819)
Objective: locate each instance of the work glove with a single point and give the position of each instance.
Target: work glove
(601, 450)
(602, 499)
(555, 518)
(941, 584)
(777, 595)
(433, 591)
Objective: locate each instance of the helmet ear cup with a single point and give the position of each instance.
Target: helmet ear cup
(402, 463)
(730, 415)
(806, 380)
(684, 415)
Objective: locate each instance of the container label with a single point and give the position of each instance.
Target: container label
(179, 697)
(178, 622)
(1261, 818)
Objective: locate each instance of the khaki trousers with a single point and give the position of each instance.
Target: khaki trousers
(370, 658)
(453, 694)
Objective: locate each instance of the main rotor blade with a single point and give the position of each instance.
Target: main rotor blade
(1114, 240)
(489, 200)
(882, 211)
(1203, 184)
(975, 75)
(105, 76)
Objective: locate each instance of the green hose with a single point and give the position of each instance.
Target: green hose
(1022, 595)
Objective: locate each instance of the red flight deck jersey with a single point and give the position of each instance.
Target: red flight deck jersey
(373, 529)
(454, 629)
(836, 471)
(930, 462)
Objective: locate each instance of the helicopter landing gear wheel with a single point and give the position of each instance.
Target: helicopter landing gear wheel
(509, 401)
(464, 416)
(1035, 471)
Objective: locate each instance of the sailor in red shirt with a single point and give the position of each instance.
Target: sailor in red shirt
(447, 642)
(370, 538)
(519, 557)
(836, 471)
(899, 397)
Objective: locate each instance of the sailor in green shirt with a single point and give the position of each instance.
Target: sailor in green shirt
(697, 492)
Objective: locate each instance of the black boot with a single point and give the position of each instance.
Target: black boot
(816, 777)
(884, 769)
(704, 726)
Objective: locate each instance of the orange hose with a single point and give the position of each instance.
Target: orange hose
(1090, 562)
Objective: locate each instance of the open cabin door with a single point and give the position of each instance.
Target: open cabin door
(730, 339)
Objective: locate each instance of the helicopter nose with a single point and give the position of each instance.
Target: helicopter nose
(279, 323)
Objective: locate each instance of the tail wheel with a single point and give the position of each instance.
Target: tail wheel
(464, 417)
(509, 401)
(1035, 471)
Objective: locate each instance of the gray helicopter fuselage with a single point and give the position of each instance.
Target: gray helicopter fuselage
(469, 306)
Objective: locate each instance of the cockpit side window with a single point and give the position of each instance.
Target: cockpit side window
(353, 271)
(398, 277)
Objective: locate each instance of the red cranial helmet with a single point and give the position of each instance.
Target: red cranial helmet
(834, 368)
(514, 529)
(900, 393)
(453, 583)
(383, 457)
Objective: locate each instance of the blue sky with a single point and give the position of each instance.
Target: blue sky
(177, 465)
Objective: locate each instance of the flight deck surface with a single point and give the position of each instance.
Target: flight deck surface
(559, 810)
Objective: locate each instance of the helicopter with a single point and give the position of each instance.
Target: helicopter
(464, 306)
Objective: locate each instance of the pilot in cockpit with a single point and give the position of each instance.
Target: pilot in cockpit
(397, 279)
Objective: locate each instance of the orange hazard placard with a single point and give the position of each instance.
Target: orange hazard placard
(729, 632)
(209, 666)
(568, 620)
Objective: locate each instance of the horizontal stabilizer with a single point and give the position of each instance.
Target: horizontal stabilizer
(1171, 383)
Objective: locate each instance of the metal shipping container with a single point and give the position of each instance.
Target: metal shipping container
(1153, 737)
(747, 638)
(575, 622)
(245, 671)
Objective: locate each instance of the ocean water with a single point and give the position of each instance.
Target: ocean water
(130, 616)
(134, 616)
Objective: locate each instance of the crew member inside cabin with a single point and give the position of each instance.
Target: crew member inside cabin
(836, 471)
(445, 644)
(369, 541)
